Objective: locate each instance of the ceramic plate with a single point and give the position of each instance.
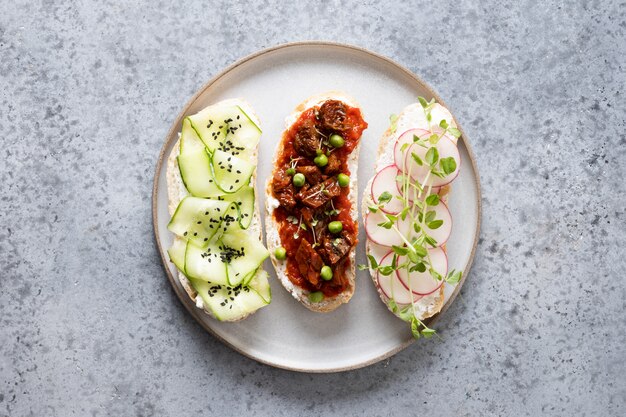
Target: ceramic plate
(285, 334)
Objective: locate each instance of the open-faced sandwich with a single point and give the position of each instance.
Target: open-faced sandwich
(210, 179)
(406, 218)
(311, 221)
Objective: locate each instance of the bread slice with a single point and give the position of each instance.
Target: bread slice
(271, 228)
(176, 191)
(411, 117)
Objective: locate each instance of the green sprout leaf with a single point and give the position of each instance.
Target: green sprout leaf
(373, 209)
(428, 333)
(433, 139)
(454, 277)
(423, 101)
(373, 262)
(386, 270)
(454, 132)
(400, 250)
(417, 159)
(448, 165)
(430, 216)
(393, 121)
(432, 242)
(385, 197)
(432, 200)
(406, 314)
(435, 224)
(443, 124)
(403, 147)
(385, 225)
(432, 156)
(435, 274)
(420, 250)
(391, 217)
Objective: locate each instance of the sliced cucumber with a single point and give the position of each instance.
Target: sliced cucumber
(248, 253)
(230, 173)
(230, 221)
(247, 132)
(228, 303)
(261, 285)
(198, 219)
(227, 128)
(177, 253)
(248, 278)
(245, 204)
(210, 123)
(244, 201)
(195, 171)
(190, 142)
(194, 164)
(232, 303)
(205, 264)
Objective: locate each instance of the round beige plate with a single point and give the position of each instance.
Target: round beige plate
(285, 334)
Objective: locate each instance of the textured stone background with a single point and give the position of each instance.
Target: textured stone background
(88, 322)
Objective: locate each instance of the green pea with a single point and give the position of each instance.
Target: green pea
(326, 273)
(335, 227)
(291, 171)
(298, 180)
(316, 297)
(321, 160)
(280, 253)
(336, 141)
(343, 180)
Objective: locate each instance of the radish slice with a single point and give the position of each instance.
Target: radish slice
(423, 283)
(384, 181)
(377, 251)
(378, 234)
(399, 185)
(406, 137)
(391, 286)
(445, 147)
(440, 234)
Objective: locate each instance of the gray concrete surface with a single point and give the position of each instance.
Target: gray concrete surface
(89, 325)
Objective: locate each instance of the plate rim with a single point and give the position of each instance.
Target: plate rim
(182, 295)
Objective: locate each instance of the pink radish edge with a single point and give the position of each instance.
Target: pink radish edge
(380, 176)
(404, 298)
